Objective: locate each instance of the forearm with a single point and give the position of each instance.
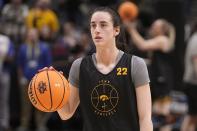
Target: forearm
(65, 112)
(69, 108)
(144, 107)
(146, 125)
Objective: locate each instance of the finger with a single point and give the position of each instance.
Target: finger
(43, 69)
(51, 68)
(61, 72)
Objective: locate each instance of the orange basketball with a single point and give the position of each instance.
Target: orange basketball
(128, 11)
(48, 91)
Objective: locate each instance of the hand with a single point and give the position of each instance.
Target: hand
(46, 68)
(49, 68)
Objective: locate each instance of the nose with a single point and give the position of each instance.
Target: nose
(97, 29)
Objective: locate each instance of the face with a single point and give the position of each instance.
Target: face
(32, 35)
(156, 28)
(102, 30)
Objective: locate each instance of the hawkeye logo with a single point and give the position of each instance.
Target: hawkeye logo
(104, 98)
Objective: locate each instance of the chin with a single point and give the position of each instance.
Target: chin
(99, 43)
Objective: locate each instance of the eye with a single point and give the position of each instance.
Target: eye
(103, 25)
(93, 25)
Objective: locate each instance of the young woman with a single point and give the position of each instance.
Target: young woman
(160, 44)
(111, 86)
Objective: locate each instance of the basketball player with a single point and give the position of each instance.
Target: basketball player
(160, 44)
(111, 86)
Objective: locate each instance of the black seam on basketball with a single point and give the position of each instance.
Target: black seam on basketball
(50, 91)
(37, 96)
(63, 93)
(30, 84)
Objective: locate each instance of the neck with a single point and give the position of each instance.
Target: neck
(106, 56)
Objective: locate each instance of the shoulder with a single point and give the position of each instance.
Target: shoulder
(139, 72)
(77, 62)
(138, 66)
(137, 61)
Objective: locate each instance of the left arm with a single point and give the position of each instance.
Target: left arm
(140, 77)
(143, 96)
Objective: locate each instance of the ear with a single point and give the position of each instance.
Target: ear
(116, 31)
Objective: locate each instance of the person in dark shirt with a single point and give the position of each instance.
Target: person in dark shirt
(111, 86)
(161, 45)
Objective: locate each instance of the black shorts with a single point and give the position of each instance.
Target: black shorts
(191, 92)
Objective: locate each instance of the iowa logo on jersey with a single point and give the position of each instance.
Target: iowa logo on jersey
(121, 71)
(104, 98)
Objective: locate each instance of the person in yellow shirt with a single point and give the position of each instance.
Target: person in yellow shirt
(44, 19)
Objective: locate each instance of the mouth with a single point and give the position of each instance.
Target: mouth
(97, 38)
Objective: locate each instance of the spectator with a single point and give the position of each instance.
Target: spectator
(44, 19)
(33, 55)
(6, 57)
(12, 20)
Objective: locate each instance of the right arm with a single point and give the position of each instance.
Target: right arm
(157, 43)
(69, 108)
(162, 43)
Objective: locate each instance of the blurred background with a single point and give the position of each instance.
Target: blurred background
(39, 33)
